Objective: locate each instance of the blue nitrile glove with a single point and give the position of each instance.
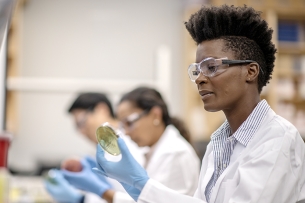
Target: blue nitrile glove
(62, 191)
(86, 180)
(132, 191)
(91, 161)
(127, 170)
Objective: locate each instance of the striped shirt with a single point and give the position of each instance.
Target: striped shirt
(223, 144)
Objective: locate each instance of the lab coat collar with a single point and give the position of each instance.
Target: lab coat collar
(154, 152)
(169, 131)
(248, 128)
(221, 130)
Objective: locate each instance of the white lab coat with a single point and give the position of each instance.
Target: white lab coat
(271, 169)
(174, 163)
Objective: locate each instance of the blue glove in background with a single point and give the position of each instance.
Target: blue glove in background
(62, 191)
(91, 161)
(93, 164)
(127, 170)
(86, 180)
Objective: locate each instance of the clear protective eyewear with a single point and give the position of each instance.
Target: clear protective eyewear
(80, 123)
(132, 118)
(209, 66)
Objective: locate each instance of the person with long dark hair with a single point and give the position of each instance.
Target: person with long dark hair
(170, 159)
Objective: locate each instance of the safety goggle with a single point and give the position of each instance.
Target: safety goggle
(82, 120)
(131, 119)
(210, 66)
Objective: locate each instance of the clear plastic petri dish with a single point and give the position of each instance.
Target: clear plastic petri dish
(107, 139)
(50, 176)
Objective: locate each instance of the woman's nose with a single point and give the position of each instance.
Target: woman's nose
(83, 131)
(127, 130)
(201, 79)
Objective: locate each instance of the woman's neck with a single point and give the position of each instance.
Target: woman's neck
(240, 113)
(158, 133)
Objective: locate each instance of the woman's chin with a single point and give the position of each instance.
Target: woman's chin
(210, 108)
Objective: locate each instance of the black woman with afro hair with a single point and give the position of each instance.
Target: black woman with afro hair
(255, 156)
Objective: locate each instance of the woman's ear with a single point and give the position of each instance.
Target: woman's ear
(156, 112)
(102, 108)
(252, 72)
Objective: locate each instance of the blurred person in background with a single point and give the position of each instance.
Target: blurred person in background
(255, 155)
(89, 111)
(171, 159)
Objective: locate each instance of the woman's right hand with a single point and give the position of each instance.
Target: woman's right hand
(86, 180)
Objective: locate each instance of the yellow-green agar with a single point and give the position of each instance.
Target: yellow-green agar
(107, 138)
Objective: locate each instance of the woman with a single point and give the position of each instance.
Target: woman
(171, 160)
(255, 155)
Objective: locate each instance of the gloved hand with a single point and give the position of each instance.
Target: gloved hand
(86, 180)
(133, 192)
(62, 191)
(127, 171)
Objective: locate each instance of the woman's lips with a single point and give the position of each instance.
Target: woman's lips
(205, 94)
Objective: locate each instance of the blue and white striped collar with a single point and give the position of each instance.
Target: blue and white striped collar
(247, 129)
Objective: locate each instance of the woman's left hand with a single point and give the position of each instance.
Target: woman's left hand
(61, 190)
(127, 170)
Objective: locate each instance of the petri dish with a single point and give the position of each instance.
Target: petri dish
(50, 177)
(107, 138)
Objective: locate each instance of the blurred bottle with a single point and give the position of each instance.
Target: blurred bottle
(5, 139)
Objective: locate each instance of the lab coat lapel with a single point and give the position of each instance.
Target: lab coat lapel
(207, 174)
(232, 166)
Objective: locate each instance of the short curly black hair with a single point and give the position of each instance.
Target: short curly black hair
(242, 29)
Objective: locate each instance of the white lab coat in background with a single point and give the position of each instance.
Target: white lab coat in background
(271, 169)
(173, 163)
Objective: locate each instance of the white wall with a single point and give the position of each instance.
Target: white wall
(86, 44)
